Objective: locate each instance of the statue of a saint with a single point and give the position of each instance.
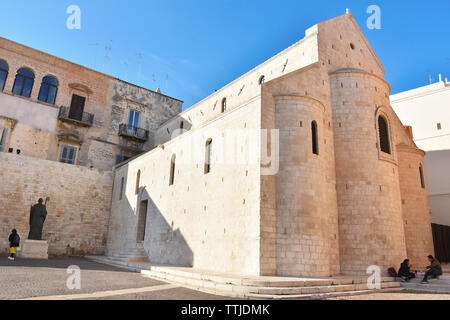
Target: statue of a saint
(38, 213)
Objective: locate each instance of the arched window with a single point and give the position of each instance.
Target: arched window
(224, 105)
(208, 156)
(3, 74)
(422, 177)
(315, 138)
(181, 125)
(23, 83)
(383, 131)
(122, 183)
(49, 88)
(172, 170)
(262, 79)
(138, 181)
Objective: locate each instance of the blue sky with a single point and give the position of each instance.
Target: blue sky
(203, 45)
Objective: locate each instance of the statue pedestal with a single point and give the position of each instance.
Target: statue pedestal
(33, 249)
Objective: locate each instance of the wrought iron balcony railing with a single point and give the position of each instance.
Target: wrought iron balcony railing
(84, 118)
(126, 130)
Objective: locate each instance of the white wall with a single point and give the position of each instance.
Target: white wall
(423, 108)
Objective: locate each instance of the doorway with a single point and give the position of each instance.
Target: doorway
(142, 221)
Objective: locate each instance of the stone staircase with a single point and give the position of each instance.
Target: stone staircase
(440, 285)
(252, 287)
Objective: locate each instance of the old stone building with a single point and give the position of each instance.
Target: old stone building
(56, 110)
(338, 191)
(298, 168)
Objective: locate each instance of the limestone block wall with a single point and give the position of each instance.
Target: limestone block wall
(415, 205)
(303, 242)
(208, 221)
(368, 189)
(78, 212)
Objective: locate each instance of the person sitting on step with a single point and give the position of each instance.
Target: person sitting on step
(405, 271)
(434, 269)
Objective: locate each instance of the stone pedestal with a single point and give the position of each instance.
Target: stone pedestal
(33, 249)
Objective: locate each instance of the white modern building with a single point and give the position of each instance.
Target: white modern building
(427, 111)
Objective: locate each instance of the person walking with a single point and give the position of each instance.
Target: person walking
(14, 243)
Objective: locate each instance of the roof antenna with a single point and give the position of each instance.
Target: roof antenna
(107, 60)
(96, 52)
(141, 57)
(430, 78)
(125, 62)
(154, 80)
(167, 83)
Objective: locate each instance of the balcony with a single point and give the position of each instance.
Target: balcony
(133, 132)
(83, 119)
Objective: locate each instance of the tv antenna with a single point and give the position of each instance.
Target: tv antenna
(167, 83)
(141, 57)
(430, 78)
(154, 80)
(107, 59)
(126, 63)
(96, 52)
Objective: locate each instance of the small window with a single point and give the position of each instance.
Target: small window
(315, 138)
(49, 88)
(383, 129)
(23, 83)
(122, 183)
(208, 156)
(3, 139)
(439, 126)
(181, 125)
(172, 170)
(138, 181)
(3, 74)
(352, 46)
(68, 154)
(224, 105)
(422, 177)
(262, 79)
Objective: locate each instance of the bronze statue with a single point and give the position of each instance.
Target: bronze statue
(38, 213)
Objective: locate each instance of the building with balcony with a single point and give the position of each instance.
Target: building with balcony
(57, 110)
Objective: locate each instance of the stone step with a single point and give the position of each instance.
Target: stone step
(251, 287)
(257, 281)
(299, 292)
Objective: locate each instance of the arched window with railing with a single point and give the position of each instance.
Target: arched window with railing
(383, 133)
(315, 138)
(23, 85)
(49, 89)
(4, 69)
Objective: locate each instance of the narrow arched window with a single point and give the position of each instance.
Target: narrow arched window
(181, 125)
(3, 74)
(422, 177)
(315, 138)
(383, 130)
(208, 156)
(138, 181)
(262, 79)
(224, 105)
(172, 170)
(49, 88)
(122, 183)
(23, 83)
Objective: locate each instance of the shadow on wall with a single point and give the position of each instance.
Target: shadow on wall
(163, 244)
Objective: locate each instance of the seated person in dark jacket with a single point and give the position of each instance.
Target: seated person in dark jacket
(405, 271)
(434, 270)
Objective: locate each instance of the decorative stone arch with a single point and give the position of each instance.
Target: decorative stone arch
(382, 112)
(81, 90)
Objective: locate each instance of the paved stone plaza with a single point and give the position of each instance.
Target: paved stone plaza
(24, 279)
(46, 279)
